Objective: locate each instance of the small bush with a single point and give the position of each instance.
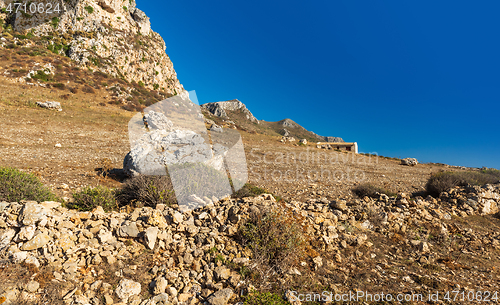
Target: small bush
(148, 191)
(276, 238)
(91, 197)
(56, 48)
(369, 190)
(443, 181)
(249, 190)
(41, 75)
(16, 186)
(59, 86)
(268, 298)
(55, 22)
(89, 9)
(88, 89)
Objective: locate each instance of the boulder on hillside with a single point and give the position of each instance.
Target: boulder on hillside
(49, 105)
(157, 120)
(409, 161)
(159, 148)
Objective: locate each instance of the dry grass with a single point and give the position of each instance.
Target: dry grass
(444, 181)
(277, 238)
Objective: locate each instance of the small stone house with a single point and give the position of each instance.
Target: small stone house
(344, 146)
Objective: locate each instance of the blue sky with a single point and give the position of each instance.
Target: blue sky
(402, 78)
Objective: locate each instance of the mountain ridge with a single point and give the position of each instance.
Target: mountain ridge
(228, 110)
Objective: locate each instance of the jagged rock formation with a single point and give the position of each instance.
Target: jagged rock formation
(288, 123)
(333, 139)
(219, 109)
(111, 36)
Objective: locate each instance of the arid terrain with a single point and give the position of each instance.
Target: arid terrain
(94, 134)
(301, 229)
(93, 137)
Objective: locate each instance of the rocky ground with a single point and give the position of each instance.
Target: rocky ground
(51, 255)
(159, 256)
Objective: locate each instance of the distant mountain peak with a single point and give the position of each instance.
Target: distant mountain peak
(236, 111)
(289, 123)
(220, 109)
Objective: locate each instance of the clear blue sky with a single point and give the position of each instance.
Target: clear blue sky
(402, 78)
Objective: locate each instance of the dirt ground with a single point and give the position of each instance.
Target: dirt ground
(93, 136)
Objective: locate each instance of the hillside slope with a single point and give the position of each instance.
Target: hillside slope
(110, 36)
(234, 111)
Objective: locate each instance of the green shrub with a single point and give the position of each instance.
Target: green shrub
(276, 237)
(443, 181)
(56, 48)
(267, 298)
(89, 9)
(249, 190)
(16, 186)
(41, 75)
(369, 190)
(91, 197)
(148, 191)
(125, 8)
(55, 22)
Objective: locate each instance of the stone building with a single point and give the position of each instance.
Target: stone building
(343, 146)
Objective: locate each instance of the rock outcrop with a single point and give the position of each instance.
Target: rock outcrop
(409, 161)
(333, 139)
(289, 123)
(219, 109)
(111, 36)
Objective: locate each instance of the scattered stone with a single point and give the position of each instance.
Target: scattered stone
(32, 286)
(128, 229)
(221, 297)
(127, 288)
(409, 161)
(38, 241)
(160, 285)
(49, 105)
(150, 236)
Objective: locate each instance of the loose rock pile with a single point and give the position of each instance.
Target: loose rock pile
(193, 251)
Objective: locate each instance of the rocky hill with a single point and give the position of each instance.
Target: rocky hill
(234, 113)
(111, 36)
(221, 109)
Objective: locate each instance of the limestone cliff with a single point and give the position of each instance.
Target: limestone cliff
(112, 36)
